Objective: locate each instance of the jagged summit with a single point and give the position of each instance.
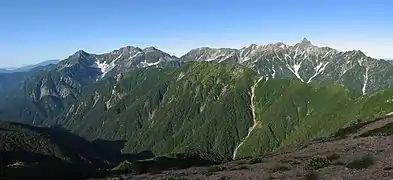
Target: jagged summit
(79, 57)
(79, 53)
(253, 46)
(150, 48)
(127, 48)
(111, 99)
(303, 60)
(305, 41)
(281, 45)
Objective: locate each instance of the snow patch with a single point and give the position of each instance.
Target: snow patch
(389, 114)
(105, 67)
(327, 54)
(296, 68)
(286, 56)
(212, 59)
(153, 64)
(365, 81)
(318, 69)
(147, 64)
(135, 55)
(296, 52)
(245, 59)
(67, 65)
(181, 75)
(360, 62)
(202, 108)
(225, 58)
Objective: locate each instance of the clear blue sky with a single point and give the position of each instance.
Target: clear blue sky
(36, 30)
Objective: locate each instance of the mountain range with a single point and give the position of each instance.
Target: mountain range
(28, 67)
(306, 62)
(303, 61)
(216, 104)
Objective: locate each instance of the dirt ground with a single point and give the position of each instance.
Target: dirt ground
(344, 162)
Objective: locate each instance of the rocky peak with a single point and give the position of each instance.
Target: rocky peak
(306, 45)
(306, 41)
(202, 49)
(354, 53)
(360, 52)
(79, 54)
(280, 45)
(79, 57)
(253, 46)
(127, 49)
(149, 49)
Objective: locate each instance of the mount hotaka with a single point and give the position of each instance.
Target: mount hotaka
(246, 102)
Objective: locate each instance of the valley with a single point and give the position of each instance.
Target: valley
(208, 107)
(255, 122)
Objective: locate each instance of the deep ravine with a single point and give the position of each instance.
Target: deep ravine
(254, 120)
(365, 81)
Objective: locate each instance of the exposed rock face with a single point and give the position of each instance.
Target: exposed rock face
(306, 62)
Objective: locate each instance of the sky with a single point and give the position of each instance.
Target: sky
(36, 30)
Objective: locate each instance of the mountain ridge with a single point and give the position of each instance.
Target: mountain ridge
(178, 109)
(28, 67)
(159, 102)
(303, 61)
(306, 62)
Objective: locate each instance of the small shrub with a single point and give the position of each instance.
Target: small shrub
(339, 163)
(126, 166)
(213, 169)
(333, 157)
(176, 178)
(295, 162)
(154, 170)
(272, 177)
(300, 157)
(387, 168)
(312, 176)
(281, 168)
(223, 178)
(238, 168)
(241, 162)
(318, 163)
(363, 163)
(386, 130)
(255, 160)
(208, 173)
(291, 161)
(242, 167)
(344, 132)
(285, 160)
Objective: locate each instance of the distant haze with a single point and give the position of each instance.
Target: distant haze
(28, 67)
